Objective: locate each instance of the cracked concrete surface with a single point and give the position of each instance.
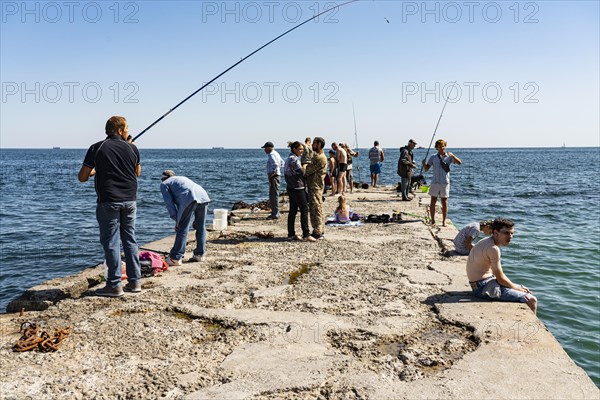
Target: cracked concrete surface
(378, 313)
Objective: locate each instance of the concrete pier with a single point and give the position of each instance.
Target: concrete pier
(371, 312)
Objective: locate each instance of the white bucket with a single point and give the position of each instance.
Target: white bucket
(220, 213)
(220, 219)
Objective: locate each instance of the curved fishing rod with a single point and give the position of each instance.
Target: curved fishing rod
(436, 126)
(239, 62)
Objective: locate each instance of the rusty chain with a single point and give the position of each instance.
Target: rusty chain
(31, 338)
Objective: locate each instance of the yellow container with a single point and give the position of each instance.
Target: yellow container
(424, 189)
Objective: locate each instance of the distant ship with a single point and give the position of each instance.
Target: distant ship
(218, 148)
(56, 148)
(564, 145)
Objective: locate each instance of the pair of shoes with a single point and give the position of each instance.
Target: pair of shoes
(110, 291)
(295, 237)
(173, 263)
(309, 239)
(196, 258)
(273, 217)
(406, 199)
(318, 237)
(133, 287)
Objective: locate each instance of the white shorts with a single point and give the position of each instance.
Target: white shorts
(439, 190)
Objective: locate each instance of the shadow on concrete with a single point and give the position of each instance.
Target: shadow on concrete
(454, 297)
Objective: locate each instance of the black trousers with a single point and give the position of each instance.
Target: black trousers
(298, 201)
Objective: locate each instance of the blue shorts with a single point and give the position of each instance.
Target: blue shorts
(489, 289)
(375, 168)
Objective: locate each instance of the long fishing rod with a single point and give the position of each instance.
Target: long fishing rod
(356, 142)
(436, 125)
(239, 62)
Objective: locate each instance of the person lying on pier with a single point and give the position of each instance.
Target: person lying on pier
(484, 268)
(463, 242)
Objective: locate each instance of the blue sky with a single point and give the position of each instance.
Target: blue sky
(527, 72)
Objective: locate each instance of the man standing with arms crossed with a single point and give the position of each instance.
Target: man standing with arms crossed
(315, 174)
(274, 166)
(406, 164)
(116, 166)
(484, 269)
(376, 157)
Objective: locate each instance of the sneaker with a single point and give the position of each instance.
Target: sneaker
(295, 237)
(110, 291)
(309, 239)
(318, 237)
(273, 217)
(196, 258)
(173, 263)
(133, 287)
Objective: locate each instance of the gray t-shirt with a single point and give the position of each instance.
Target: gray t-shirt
(470, 230)
(440, 176)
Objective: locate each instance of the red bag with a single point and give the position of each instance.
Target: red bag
(158, 265)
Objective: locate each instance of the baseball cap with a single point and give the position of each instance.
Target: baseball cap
(167, 174)
(268, 144)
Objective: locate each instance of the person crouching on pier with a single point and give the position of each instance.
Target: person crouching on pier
(484, 268)
(463, 242)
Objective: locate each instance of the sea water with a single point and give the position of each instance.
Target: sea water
(48, 225)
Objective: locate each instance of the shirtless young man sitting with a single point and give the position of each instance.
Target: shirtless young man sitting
(484, 269)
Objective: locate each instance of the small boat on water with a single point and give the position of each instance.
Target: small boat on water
(218, 148)
(56, 148)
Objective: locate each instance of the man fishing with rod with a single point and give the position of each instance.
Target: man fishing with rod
(115, 164)
(440, 183)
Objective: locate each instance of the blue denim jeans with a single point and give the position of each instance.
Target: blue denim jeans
(405, 186)
(274, 195)
(117, 223)
(183, 227)
(486, 285)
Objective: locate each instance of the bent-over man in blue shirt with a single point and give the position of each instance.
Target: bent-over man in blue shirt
(184, 198)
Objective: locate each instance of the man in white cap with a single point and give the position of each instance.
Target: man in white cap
(184, 198)
(274, 166)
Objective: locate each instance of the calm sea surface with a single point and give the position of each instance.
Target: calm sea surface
(48, 226)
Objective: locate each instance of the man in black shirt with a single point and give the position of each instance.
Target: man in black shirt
(115, 163)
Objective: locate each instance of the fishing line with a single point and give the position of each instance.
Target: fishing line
(438, 124)
(239, 62)
(356, 142)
